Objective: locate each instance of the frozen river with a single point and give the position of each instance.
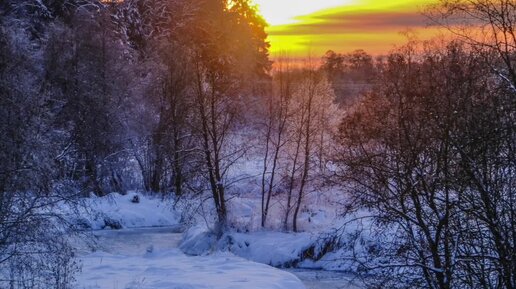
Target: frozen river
(320, 279)
(134, 242)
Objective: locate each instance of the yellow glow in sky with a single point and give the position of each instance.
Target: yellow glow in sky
(315, 26)
(281, 12)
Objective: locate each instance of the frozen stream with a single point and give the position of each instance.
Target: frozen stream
(134, 242)
(320, 279)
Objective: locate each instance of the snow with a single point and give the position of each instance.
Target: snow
(172, 269)
(148, 258)
(330, 248)
(145, 255)
(315, 215)
(274, 248)
(98, 212)
(277, 249)
(150, 252)
(198, 240)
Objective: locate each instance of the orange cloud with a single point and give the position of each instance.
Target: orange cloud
(366, 22)
(371, 25)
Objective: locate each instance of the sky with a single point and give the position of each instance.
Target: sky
(303, 27)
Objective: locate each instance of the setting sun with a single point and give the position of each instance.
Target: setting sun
(286, 11)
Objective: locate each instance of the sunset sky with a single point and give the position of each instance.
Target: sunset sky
(315, 26)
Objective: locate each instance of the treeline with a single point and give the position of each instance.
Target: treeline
(110, 96)
(146, 95)
(429, 154)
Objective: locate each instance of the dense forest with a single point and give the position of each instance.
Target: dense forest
(172, 97)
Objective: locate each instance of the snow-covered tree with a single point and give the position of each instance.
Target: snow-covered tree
(434, 171)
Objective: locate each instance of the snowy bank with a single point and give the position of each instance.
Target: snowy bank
(274, 248)
(116, 211)
(278, 249)
(333, 247)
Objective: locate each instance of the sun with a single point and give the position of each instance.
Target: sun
(283, 12)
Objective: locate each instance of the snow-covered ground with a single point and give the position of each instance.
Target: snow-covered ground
(172, 269)
(124, 261)
(116, 210)
(273, 248)
(145, 253)
(151, 251)
(306, 250)
(148, 259)
(318, 246)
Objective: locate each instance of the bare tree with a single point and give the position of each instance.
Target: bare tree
(404, 149)
(308, 94)
(31, 235)
(308, 130)
(278, 115)
(228, 48)
(486, 25)
(350, 74)
(316, 99)
(163, 143)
